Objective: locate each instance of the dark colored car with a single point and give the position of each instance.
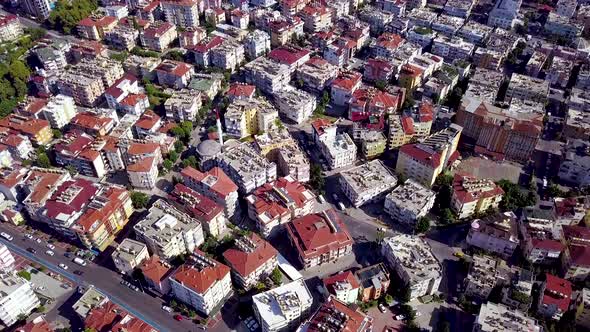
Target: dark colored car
(78, 272)
(31, 250)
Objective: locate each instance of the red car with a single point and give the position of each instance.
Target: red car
(178, 317)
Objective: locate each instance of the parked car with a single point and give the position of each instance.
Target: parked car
(6, 236)
(31, 250)
(400, 317)
(78, 272)
(166, 308)
(50, 246)
(29, 236)
(381, 307)
(63, 266)
(178, 317)
(50, 253)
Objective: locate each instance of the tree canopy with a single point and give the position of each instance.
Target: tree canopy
(66, 14)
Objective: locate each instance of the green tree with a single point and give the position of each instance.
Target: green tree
(174, 55)
(168, 164)
(173, 156)
(422, 225)
(66, 14)
(388, 299)
(72, 170)
(381, 85)
(317, 180)
(43, 160)
(89, 329)
(190, 161)
(121, 57)
(139, 199)
(447, 216)
(57, 133)
(40, 309)
(178, 146)
(24, 274)
(36, 33)
(276, 276)
(405, 294)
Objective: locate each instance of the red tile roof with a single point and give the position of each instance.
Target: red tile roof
(408, 125)
(274, 199)
(199, 206)
(317, 234)
(464, 195)
(347, 80)
(157, 30)
(41, 183)
(245, 262)
(37, 325)
(354, 321)
(346, 277)
(134, 98)
(112, 201)
(558, 292)
(70, 197)
(200, 280)
(176, 68)
(580, 255)
(221, 187)
(148, 120)
(155, 269)
(426, 158)
(390, 41)
(141, 149)
(25, 125)
(144, 165)
(546, 244)
(425, 112)
(92, 121)
(288, 55)
(319, 124)
(73, 142)
(208, 44)
(241, 90)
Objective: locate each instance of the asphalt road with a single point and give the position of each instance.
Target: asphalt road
(138, 304)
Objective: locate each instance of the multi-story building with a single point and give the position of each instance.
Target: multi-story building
(246, 167)
(276, 203)
(105, 217)
(305, 234)
(39, 185)
(267, 75)
(563, 26)
(528, 88)
(156, 273)
(497, 233)
(294, 104)
(129, 255)
(18, 146)
(367, 183)
(10, 28)
(97, 122)
(214, 184)
(374, 282)
(249, 117)
(191, 37)
(16, 298)
(169, 232)
(59, 111)
(474, 32)
(316, 18)
(256, 43)
(504, 14)
(494, 317)
(573, 169)
(344, 286)
(485, 273)
(412, 259)
(122, 37)
(251, 259)
(37, 8)
(344, 86)
(447, 25)
(517, 291)
(409, 202)
(202, 208)
(36, 130)
(181, 13)
(583, 317)
(202, 283)
(141, 159)
(94, 27)
(174, 74)
(337, 315)
(426, 160)
(158, 36)
(282, 30)
(379, 69)
(282, 308)
(316, 74)
(459, 8)
(183, 105)
(6, 259)
(80, 151)
(555, 298)
(338, 148)
(501, 134)
(413, 123)
(452, 48)
(472, 195)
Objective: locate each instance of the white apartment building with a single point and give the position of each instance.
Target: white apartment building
(59, 111)
(504, 14)
(181, 13)
(10, 28)
(246, 167)
(452, 48)
(6, 259)
(409, 202)
(283, 308)
(498, 317)
(16, 298)
(251, 259)
(474, 32)
(267, 75)
(412, 259)
(484, 274)
(228, 55)
(293, 162)
(338, 149)
(294, 104)
(367, 183)
(129, 255)
(563, 26)
(472, 195)
(183, 105)
(256, 43)
(316, 74)
(497, 233)
(168, 232)
(202, 283)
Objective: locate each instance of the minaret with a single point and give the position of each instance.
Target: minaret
(219, 129)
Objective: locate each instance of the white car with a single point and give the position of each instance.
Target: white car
(400, 317)
(166, 308)
(381, 307)
(29, 236)
(50, 253)
(38, 240)
(50, 246)
(63, 266)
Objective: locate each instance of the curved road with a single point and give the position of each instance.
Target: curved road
(138, 304)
